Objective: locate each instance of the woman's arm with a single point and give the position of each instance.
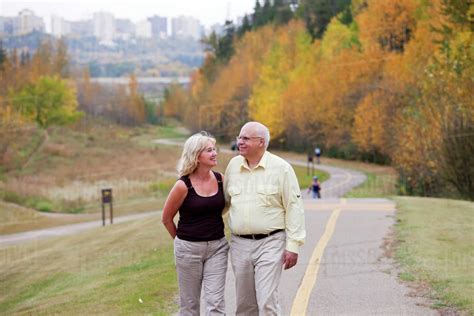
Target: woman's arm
(173, 202)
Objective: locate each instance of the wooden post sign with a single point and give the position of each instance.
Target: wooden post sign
(107, 199)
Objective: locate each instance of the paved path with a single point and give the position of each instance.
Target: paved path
(13, 239)
(342, 269)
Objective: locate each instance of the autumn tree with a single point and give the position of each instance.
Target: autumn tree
(388, 24)
(51, 100)
(135, 102)
(175, 99)
(280, 62)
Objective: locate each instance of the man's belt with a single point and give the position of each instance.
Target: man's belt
(260, 236)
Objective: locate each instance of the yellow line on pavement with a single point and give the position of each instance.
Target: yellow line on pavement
(300, 303)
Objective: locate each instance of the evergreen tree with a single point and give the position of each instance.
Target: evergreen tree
(257, 15)
(225, 48)
(245, 27)
(318, 13)
(3, 55)
(282, 12)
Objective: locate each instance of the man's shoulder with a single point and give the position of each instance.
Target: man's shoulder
(236, 161)
(277, 160)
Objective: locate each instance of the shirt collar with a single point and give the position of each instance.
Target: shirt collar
(262, 163)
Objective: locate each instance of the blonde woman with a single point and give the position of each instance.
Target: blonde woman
(200, 247)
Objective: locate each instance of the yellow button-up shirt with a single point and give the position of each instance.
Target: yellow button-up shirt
(264, 199)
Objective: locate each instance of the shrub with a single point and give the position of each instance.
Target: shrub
(44, 206)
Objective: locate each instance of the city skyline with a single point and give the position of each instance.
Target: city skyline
(209, 12)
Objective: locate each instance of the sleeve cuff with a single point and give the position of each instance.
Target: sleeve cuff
(293, 246)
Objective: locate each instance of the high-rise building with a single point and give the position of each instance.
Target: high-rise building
(8, 25)
(159, 26)
(59, 26)
(29, 22)
(185, 26)
(143, 29)
(82, 28)
(104, 27)
(124, 29)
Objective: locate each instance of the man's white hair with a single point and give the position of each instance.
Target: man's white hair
(262, 131)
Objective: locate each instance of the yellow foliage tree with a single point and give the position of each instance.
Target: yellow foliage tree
(387, 25)
(282, 63)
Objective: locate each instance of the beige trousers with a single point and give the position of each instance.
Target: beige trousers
(257, 266)
(201, 264)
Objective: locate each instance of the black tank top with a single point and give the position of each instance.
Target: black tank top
(200, 218)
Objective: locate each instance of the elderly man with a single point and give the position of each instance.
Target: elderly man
(266, 220)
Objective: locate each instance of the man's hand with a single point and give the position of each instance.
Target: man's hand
(289, 259)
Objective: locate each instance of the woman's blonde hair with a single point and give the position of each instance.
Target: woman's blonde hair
(193, 147)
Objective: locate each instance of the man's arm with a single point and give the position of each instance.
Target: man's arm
(294, 217)
(226, 192)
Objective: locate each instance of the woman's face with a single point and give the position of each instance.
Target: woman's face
(208, 156)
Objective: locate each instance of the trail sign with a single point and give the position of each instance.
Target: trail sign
(107, 199)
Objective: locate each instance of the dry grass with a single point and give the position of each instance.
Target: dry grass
(75, 164)
(68, 172)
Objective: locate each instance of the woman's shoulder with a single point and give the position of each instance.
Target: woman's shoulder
(219, 176)
(181, 184)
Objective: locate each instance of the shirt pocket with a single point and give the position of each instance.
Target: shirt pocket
(234, 192)
(268, 195)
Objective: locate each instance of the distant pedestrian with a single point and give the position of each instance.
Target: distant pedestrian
(317, 152)
(310, 165)
(315, 188)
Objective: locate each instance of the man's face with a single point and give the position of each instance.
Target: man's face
(249, 142)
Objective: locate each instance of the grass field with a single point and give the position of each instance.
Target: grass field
(67, 172)
(122, 269)
(435, 245)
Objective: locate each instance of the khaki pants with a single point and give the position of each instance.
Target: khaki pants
(257, 266)
(201, 264)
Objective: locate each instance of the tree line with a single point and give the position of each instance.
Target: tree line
(382, 81)
(38, 88)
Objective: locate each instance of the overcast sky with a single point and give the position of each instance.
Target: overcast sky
(207, 11)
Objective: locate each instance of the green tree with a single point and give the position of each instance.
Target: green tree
(318, 13)
(245, 27)
(152, 114)
(257, 15)
(3, 55)
(49, 101)
(225, 48)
